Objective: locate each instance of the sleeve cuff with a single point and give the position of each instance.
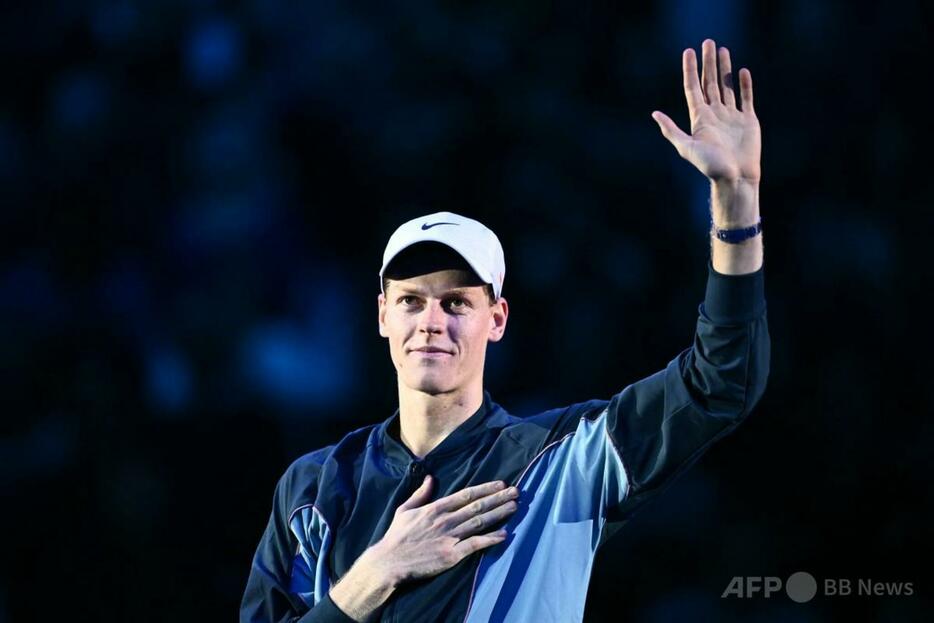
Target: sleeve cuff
(734, 299)
(326, 611)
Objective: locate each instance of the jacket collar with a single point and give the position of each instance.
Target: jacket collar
(461, 437)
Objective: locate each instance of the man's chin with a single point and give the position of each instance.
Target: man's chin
(430, 385)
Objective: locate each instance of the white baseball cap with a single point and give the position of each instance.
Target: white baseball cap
(475, 242)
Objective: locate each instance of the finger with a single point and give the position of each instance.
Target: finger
(745, 89)
(726, 79)
(467, 495)
(709, 77)
(477, 542)
(481, 509)
(475, 524)
(419, 496)
(672, 132)
(692, 91)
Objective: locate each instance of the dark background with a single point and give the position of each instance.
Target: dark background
(195, 199)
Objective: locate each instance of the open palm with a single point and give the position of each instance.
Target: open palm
(725, 141)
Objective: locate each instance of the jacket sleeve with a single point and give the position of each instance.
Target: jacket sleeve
(282, 576)
(662, 424)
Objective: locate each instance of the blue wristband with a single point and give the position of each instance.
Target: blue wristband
(734, 236)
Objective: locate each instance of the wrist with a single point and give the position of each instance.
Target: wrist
(378, 566)
(736, 236)
(364, 588)
(734, 184)
(734, 204)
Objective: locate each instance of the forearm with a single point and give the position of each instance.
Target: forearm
(735, 205)
(364, 588)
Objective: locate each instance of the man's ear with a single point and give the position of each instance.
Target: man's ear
(381, 318)
(500, 312)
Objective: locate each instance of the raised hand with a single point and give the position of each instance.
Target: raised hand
(725, 142)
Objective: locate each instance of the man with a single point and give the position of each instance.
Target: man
(454, 510)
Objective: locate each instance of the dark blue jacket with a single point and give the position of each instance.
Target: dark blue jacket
(581, 470)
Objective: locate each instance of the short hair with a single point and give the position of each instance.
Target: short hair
(427, 257)
(487, 287)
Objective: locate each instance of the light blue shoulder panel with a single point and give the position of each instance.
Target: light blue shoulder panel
(541, 571)
(310, 579)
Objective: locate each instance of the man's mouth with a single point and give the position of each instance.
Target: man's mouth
(431, 351)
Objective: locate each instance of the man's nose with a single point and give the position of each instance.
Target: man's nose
(432, 318)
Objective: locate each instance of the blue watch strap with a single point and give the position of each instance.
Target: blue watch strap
(734, 236)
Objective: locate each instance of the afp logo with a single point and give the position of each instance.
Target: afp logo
(800, 586)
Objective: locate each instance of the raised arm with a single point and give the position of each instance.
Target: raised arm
(725, 145)
(662, 424)
(634, 445)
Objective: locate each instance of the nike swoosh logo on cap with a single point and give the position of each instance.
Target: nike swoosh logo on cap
(427, 226)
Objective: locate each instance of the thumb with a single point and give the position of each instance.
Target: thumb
(419, 496)
(671, 131)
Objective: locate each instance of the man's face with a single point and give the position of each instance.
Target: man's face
(438, 329)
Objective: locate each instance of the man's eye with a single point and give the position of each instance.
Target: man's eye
(457, 304)
(408, 300)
